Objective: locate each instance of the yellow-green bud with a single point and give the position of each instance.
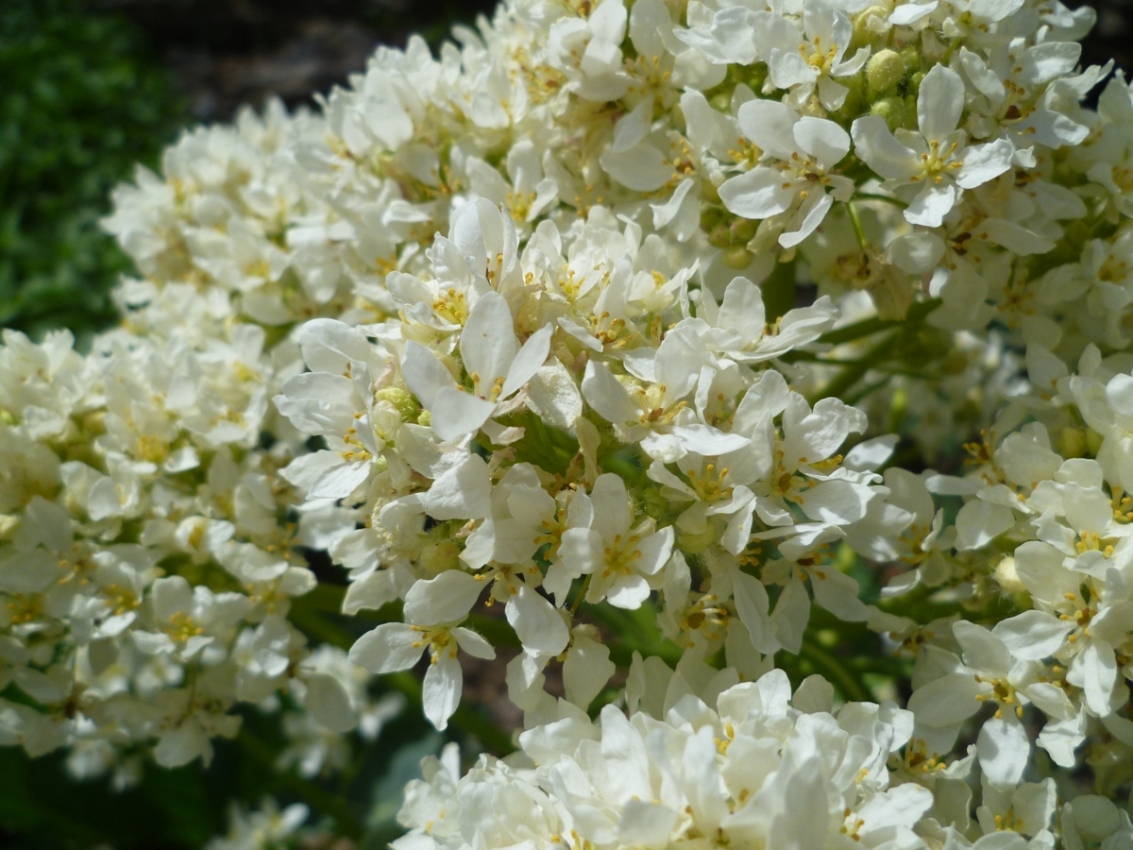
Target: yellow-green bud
(710, 217)
(425, 418)
(1071, 442)
(1093, 441)
(720, 236)
(743, 229)
(694, 544)
(737, 258)
(892, 109)
(1008, 577)
(440, 557)
(885, 70)
(912, 58)
(402, 400)
(862, 33)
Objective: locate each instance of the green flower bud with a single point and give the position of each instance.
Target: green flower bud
(1071, 442)
(743, 229)
(440, 557)
(885, 70)
(710, 217)
(425, 418)
(694, 544)
(911, 56)
(862, 33)
(1093, 441)
(892, 109)
(720, 236)
(737, 258)
(402, 400)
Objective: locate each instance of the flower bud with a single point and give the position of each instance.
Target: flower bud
(440, 557)
(1008, 577)
(912, 58)
(737, 258)
(1093, 442)
(885, 70)
(743, 229)
(869, 23)
(1071, 442)
(892, 109)
(720, 236)
(402, 400)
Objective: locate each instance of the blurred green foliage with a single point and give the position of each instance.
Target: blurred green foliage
(80, 104)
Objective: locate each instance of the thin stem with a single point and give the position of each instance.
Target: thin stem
(868, 327)
(834, 671)
(869, 196)
(852, 374)
(856, 221)
(317, 797)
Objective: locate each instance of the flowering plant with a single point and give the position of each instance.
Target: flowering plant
(756, 378)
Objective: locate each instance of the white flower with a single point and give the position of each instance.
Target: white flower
(397, 646)
(619, 560)
(930, 169)
(794, 172)
(496, 365)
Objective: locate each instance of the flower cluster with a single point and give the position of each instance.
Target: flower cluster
(623, 333)
(148, 558)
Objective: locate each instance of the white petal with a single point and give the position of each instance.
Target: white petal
(940, 102)
(768, 123)
(541, 629)
(933, 203)
(758, 193)
(463, 492)
(822, 139)
(488, 344)
(445, 599)
(813, 210)
(586, 670)
(655, 551)
(527, 362)
(1003, 749)
(628, 592)
(916, 253)
(879, 149)
(456, 413)
(388, 648)
(473, 643)
(424, 374)
(443, 684)
(984, 162)
(1033, 635)
(608, 398)
(612, 514)
(329, 703)
(947, 700)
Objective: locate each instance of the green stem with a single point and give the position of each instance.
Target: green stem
(868, 196)
(868, 327)
(311, 793)
(832, 669)
(856, 221)
(852, 374)
(778, 291)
